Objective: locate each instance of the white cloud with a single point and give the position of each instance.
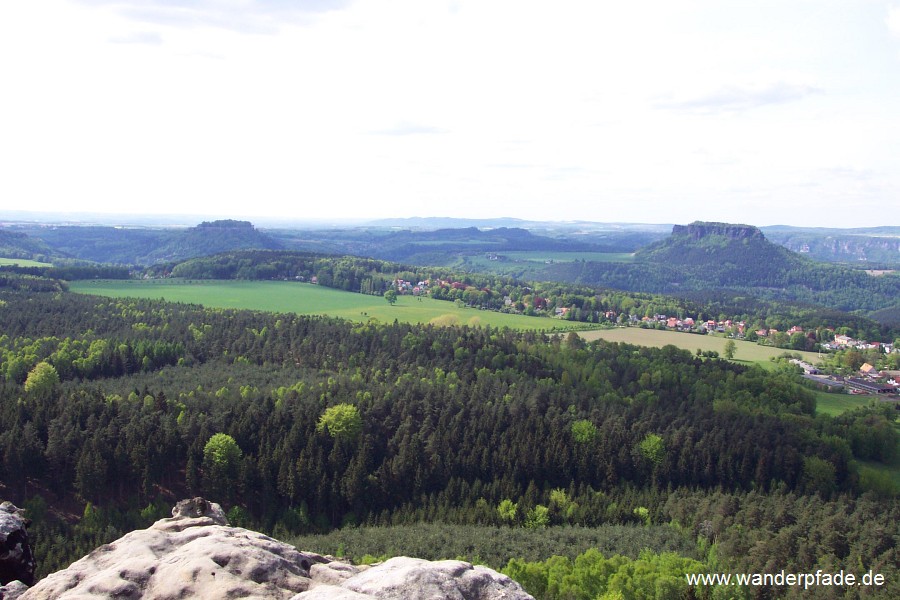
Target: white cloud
(246, 16)
(141, 37)
(893, 20)
(736, 98)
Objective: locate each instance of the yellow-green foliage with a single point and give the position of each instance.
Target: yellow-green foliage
(42, 378)
(592, 575)
(340, 421)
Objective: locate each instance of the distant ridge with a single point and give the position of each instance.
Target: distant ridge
(143, 246)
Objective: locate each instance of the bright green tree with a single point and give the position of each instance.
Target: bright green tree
(538, 517)
(221, 463)
(584, 431)
(507, 510)
(391, 296)
(341, 421)
(41, 379)
(653, 448)
(730, 348)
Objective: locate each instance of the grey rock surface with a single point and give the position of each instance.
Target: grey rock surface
(12, 590)
(16, 560)
(195, 554)
(184, 557)
(404, 578)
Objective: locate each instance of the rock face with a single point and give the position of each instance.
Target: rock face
(16, 561)
(195, 554)
(699, 229)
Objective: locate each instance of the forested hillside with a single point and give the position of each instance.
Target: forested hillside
(15, 244)
(301, 424)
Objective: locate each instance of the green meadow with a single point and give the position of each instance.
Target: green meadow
(307, 299)
(23, 262)
(746, 352)
(831, 403)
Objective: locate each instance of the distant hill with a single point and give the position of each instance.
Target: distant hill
(443, 246)
(725, 253)
(211, 238)
(15, 244)
(144, 246)
(712, 256)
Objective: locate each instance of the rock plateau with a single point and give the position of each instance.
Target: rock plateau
(196, 554)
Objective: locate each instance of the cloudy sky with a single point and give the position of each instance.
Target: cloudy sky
(760, 112)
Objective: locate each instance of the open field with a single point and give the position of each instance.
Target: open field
(888, 476)
(23, 262)
(745, 352)
(307, 299)
(833, 404)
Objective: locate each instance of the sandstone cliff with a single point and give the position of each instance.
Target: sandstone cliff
(195, 554)
(698, 230)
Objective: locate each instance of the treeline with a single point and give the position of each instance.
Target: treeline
(82, 358)
(12, 281)
(70, 272)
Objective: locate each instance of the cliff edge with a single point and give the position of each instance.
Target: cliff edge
(196, 554)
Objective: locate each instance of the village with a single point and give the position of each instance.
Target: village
(868, 379)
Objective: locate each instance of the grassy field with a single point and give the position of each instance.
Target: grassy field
(23, 262)
(306, 299)
(748, 352)
(833, 404)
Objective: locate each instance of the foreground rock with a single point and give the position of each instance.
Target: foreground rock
(195, 554)
(404, 578)
(16, 561)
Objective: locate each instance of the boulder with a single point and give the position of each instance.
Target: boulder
(196, 554)
(12, 590)
(404, 578)
(16, 560)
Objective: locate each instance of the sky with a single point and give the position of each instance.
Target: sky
(763, 112)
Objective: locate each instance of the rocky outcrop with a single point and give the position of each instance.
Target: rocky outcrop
(404, 578)
(16, 560)
(698, 230)
(196, 554)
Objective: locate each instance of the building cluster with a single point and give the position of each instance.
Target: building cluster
(844, 342)
(417, 288)
(689, 324)
(872, 381)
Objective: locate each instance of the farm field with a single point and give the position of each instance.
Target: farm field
(23, 262)
(748, 352)
(833, 404)
(307, 299)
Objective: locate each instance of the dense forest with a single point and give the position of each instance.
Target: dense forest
(300, 425)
